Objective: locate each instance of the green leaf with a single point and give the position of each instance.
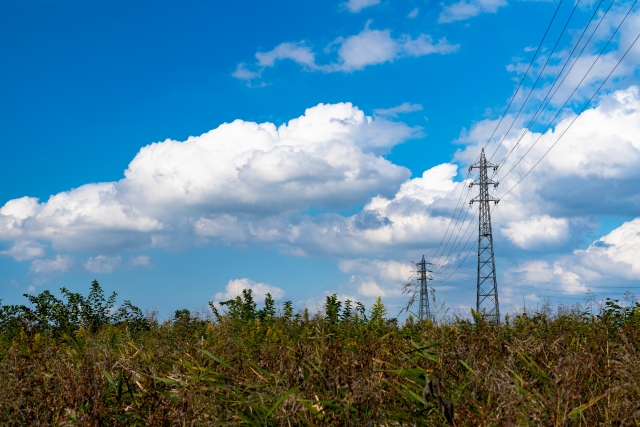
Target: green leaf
(468, 367)
(165, 380)
(279, 401)
(109, 377)
(577, 411)
(216, 358)
(407, 372)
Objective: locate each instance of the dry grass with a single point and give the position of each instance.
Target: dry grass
(285, 371)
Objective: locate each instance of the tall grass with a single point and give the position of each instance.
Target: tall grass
(347, 366)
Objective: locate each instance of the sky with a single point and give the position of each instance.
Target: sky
(181, 152)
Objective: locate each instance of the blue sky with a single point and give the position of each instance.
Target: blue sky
(336, 200)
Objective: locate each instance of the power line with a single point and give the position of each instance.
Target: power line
(537, 79)
(507, 109)
(451, 221)
(455, 247)
(582, 109)
(543, 105)
(457, 235)
(502, 117)
(526, 72)
(548, 98)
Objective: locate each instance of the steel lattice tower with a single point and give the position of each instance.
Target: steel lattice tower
(424, 310)
(487, 297)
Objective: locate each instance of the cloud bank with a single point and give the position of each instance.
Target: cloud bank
(245, 183)
(327, 158)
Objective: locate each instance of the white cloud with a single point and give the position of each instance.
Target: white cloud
(465, 9)
(59, 264)
(601, 148)
(387, 270)
(403, 108)
(140, 261)
(296, 52)
(325, 158)
(615, 254)
(540, 271)
(384, 225)
(24, 249)
(242, 73)
(537, 232)
(549, 210)
(587, 72)
(413, 13)
(377, 277)
(371, 289)
(593, 170)
(259, 290)
(424, 45)
(369, 47)
(102, 264)
(356, 6)
(246, 183)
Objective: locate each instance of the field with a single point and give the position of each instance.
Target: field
(76, 361)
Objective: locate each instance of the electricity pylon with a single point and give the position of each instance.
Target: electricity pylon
(487, 297)
(424, 311)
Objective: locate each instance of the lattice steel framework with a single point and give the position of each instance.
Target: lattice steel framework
(487, 296)
(424, 311)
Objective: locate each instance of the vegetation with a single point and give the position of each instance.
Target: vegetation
(80, 361)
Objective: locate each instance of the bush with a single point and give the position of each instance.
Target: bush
(50, 315)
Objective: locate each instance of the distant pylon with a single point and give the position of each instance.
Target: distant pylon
(487, 296)
(424, 311)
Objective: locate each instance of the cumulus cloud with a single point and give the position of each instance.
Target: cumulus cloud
(371, 289)
(377, 277)
(599, 154)
(24, 249)
(549, 210)
(465, 9)
(615, 254)
(247, 183)
(417, 215)
(537, 231)
(369, 47)
(540, 271)
(356, 6)
(102, 264)
(329, 157)
(59, 264)
(413, 13)
(593, 170)
(610, 260)
(235, 287)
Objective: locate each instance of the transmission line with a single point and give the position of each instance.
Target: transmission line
(435, 254)
(500, 121)
(548, 98)
(583, 107)
(509, 105)
(537, 114)
(537, 79)
(526, 72)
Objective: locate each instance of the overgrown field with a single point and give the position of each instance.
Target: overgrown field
(76, 361)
